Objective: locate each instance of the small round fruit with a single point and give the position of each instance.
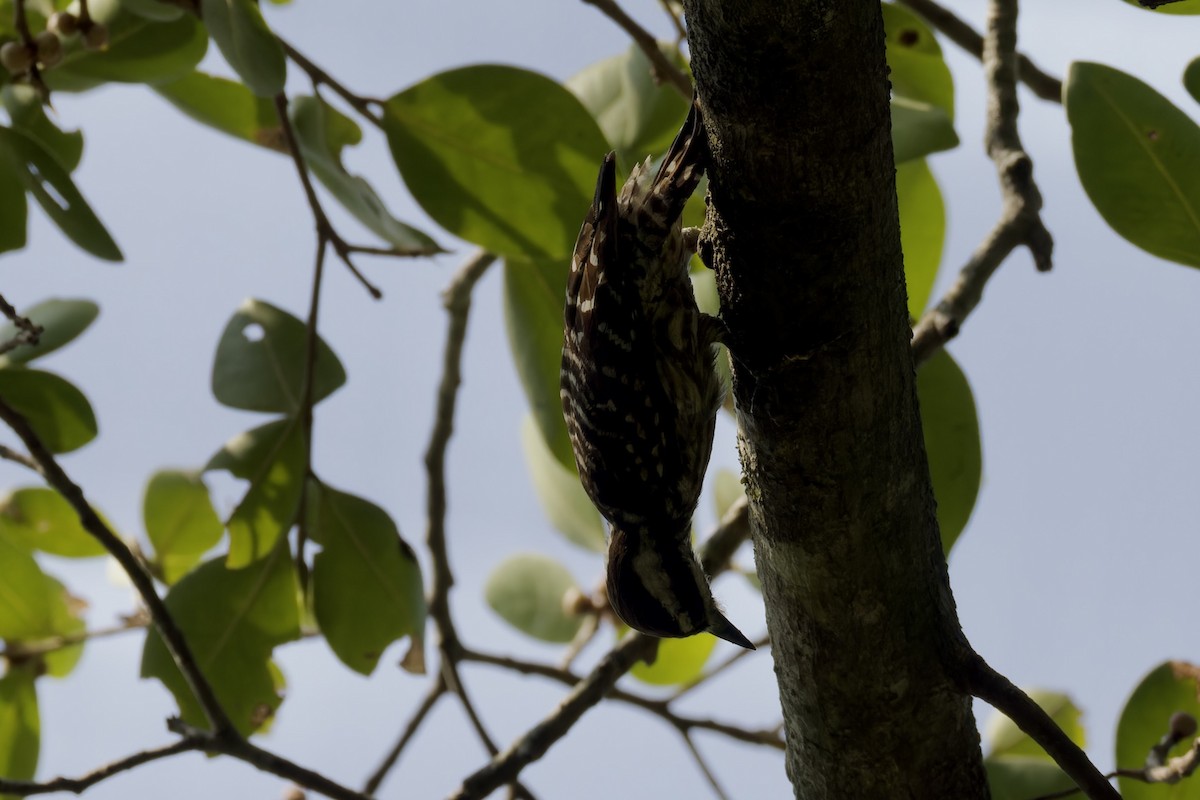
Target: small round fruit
(96, 36)
(15, 57)
(64, 23)
(49, 48)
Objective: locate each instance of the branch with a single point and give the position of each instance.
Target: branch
(1020, 222)
(27, 332)
(664, 70)
(84, 782)
(164, 623)
(320, 77)
(19, 651)
(703, 765)
(1042, 84)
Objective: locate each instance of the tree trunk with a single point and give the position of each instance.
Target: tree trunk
(803, 233)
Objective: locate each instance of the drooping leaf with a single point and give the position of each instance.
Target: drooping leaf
(37, 518)
(259, 364)
(180, 521)
(919, 129)
(140, 50)
(227, 106)
(233, 619)
(16, 209)
(55, 192)
(1003, 738)
(679, 661)
(534, 295)
(27, 115)
(1169, 688)
(313, 122)
(366, 581)
(20, 725)
(563, 499)
(248, 45)
(528, 591)
(917, 69)
(638, 116)
(1022, 777)
(922, 230)
(1138, 157)
(61, 320)
(271, 458)
(499, 156)
(952, 442)
(58, 412)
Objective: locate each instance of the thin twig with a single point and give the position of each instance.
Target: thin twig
(1020, 220)
(84, 782)
(718, 669)
(320, 77)
(702, 764)
(325, 228)
(28, 333)
(1042, 84)
(664, 70)
(436, 691)
(142, 582)
(17, 651)
(8, 454)
(34, 74)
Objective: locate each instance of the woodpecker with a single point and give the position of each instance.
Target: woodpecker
(640, 392)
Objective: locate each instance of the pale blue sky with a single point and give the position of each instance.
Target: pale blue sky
(1082, 543)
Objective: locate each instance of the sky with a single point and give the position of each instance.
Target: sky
(1085, 381)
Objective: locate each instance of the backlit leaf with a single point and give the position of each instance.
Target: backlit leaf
(38, 518)
(20, 725)
(922, 230)
(679, 661)
(180, 521)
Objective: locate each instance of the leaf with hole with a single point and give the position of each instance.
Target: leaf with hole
(271, 457)
(322, 133)
(39, 518)
(1138, 157)
(232, 620)
(180, 521)
(366, 582)
(563, 500)
(247, 43)
(61, 321)
(502, 157)
(57, 411)
(260, 362)
(917, 69)
(952, 442)
(528, 591)
(55, 192)
(1169, 688)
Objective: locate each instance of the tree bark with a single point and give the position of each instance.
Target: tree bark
(803, 233)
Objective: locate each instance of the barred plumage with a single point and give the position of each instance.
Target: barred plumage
(640, 392)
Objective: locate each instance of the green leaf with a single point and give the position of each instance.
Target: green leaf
(560, 492)
(58, 412)
(55, 192)
(534, 295)
(366, 581)
(259, 364)
(919, 129)
(1191, 78)
(1185, 7)
(41, 519)
(727, 489)
(1022, 778)
(227, 106)
(917, 69)
(679, 661)
(241, 33)
(233, 620)
(314, 123)
(271, 458)
(528, 592)
(20, 726)
(952, 442)
(65, 620)
(14, 210)
(499, 156)
(638, 116)
(155, 10)
(922, 230)
(1169, 688)
(1003, 738)
(140, 50)
(27, 115)
(26, 602)
(180, 521)
(1138, 157)
(61, 320)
